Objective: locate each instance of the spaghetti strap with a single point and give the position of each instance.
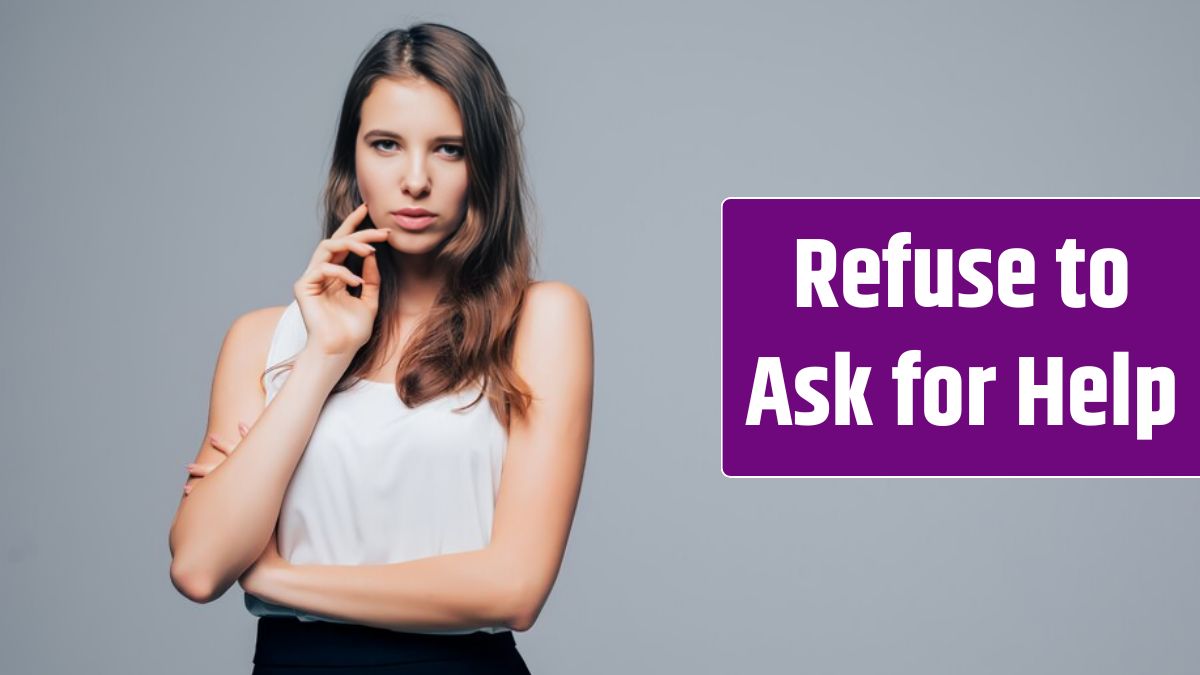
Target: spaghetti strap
(287, 341)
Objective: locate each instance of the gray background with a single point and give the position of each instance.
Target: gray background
(161, 170)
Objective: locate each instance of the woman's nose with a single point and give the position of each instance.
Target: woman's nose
(416, 178)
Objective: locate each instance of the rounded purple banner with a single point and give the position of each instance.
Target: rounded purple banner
(959, 337)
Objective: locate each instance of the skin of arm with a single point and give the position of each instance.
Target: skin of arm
(223, 526)
(507, 582)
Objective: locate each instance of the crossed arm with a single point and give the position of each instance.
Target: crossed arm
(507, 582)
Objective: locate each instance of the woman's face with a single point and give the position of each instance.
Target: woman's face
(410, 155)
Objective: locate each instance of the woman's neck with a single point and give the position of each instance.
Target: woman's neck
(419, 283)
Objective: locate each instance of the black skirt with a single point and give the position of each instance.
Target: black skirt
(288, 645)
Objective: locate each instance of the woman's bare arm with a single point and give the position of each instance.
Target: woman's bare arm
(221, 528)
(508, 581)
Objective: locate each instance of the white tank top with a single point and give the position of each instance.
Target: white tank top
(380, 482)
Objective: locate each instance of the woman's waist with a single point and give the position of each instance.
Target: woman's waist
(289, 641)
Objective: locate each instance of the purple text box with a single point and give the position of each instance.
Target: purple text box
(1155, 326)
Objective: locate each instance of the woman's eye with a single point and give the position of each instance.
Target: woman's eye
(456, 151)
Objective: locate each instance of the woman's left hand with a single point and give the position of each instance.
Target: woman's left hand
(258, 579)
(202, 470)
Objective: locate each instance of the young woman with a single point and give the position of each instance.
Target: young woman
(363, 511)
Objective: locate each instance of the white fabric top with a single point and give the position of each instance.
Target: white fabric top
(380, 482)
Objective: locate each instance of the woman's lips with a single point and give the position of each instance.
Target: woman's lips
(413, 223)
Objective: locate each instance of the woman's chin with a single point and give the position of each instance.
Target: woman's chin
(412, 243)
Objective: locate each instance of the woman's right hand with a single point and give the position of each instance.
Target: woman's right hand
(338, 323)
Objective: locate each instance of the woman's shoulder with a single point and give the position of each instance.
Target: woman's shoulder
(552, 347)
(553, 310)
(555, 294)
(254, 332)
(259, 324)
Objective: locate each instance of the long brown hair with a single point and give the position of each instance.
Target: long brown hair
(468, 334)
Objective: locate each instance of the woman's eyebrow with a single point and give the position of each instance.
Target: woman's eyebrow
(384, 133)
